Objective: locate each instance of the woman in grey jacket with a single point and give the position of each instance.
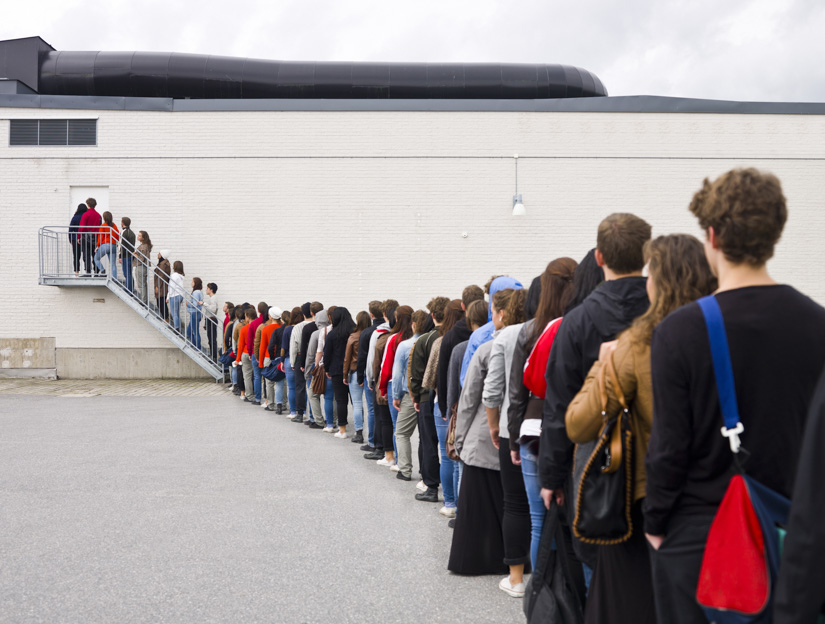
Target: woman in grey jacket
(477, 546)
(508, 317)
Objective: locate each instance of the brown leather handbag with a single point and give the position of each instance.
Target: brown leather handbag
(319, 380)
(452, 453)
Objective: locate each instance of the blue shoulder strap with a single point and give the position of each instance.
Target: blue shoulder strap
(723, 369)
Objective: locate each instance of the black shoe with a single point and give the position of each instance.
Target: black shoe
(430, 496)
(358, 438)
(258, 403)
(245, 400)
(297, 418)
(368, 448)
(451, 523)
(269, 408)
(400, 475)
(309, 422)
(236, 391)
(375, 455)
(279, 409)
(314, 425)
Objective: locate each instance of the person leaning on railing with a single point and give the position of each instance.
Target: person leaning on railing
(107, 239)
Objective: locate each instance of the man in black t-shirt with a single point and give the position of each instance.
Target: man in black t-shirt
(776, 338)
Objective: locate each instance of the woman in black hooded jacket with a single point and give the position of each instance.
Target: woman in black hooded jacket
(335, 349)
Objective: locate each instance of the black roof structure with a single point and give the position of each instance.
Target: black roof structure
(47, 71)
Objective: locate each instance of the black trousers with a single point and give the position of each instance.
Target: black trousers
(383, 426)
(212, 337)
(341, 391)
(377, 434)
(675, 570)
(76, 252)
(88, 243)
(301, 390)
(515, 524)
(163, 308)
(428, 450)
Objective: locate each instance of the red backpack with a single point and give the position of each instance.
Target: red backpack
(536, 365)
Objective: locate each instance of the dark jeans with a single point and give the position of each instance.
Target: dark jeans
(76, 251)
(515, 525)
(375, 430)
(675, 570)
(428, 443)
(163, 308)
(126, 265)
(300, 389)
(88, 243)
(341, 398)
(212, 337)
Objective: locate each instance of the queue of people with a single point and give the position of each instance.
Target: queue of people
(98, 241)
(514, 392)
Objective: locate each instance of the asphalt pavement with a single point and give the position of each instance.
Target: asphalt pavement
(203, 509)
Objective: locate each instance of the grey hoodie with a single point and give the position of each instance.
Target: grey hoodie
(322, 321)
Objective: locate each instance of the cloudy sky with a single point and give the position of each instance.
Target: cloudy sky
(761, 50)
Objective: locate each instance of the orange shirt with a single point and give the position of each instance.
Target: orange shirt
(105, 235)
(266, 334)
(242, 342)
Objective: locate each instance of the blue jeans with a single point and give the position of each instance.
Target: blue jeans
(233, 374)
(104, 250)
(256, 376)
(449, 476)
(369, 397)
(174, 310)
(193, 330)
(290, 385)
(279, 391)
(394, 416)
(530, 472)
(309, 393)
(127, 272)
(357, 394)
(329, 403)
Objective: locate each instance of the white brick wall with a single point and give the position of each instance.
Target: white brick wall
(348, 206)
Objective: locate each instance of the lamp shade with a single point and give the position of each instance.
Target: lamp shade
(518, 207)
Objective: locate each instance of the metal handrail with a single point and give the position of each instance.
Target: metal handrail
(58, 253)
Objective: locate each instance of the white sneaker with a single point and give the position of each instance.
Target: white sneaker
(342, 435)
(395, 468)
(516, 591)
(448, 512)
(421, 486)
(328, 429)
(291, 415)
(383, 462)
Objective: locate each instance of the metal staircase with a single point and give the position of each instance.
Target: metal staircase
(57, 269)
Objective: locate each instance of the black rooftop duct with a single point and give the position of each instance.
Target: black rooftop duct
(197, 76)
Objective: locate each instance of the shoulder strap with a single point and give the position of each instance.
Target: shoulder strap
(723, 369)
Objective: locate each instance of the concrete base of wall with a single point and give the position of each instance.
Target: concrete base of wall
(28, 373)
(126, 364)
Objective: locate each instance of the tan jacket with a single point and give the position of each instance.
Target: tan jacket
(584, 420)
(430, 380)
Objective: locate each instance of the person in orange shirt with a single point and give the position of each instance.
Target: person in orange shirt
(107, 240)
(266, 332)
(242, 358)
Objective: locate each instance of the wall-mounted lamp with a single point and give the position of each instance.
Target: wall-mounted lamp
(518, 207)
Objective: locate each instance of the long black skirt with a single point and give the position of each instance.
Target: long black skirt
(477, 545)
(621, 591)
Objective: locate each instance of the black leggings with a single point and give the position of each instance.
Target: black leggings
(383, 423)
(341, 391)
(515, 525)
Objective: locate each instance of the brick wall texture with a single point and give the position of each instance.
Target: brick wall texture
(345, 207)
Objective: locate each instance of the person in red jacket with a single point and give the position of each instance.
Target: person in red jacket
(89, 224)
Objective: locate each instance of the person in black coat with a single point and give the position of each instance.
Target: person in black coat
(335, 348)
(602, 315)
(74, 237)
(800, 591)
